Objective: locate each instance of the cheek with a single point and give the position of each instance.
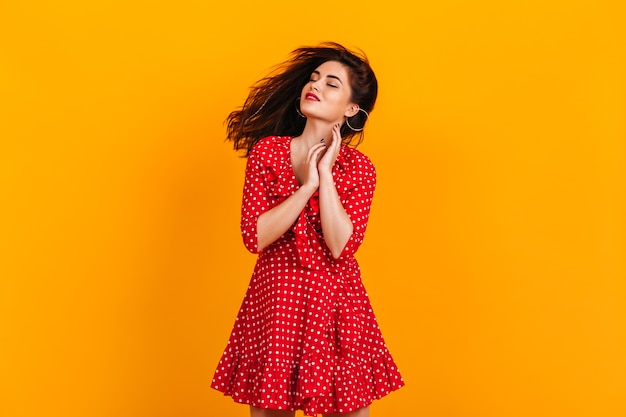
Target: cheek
(341, 100)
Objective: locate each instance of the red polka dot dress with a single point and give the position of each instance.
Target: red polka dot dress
(305, 337)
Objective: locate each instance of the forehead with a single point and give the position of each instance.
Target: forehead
(333, 68)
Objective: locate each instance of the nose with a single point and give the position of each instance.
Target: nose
(315, 86)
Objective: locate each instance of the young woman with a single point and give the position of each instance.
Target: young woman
(305, 337)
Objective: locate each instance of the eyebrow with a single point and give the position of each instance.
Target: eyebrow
(329, 76)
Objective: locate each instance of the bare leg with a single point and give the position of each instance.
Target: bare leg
(260, 412)
(361, 412)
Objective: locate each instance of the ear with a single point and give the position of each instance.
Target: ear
(351, 110)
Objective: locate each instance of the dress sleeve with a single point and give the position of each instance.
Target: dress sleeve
(357, 204)
(254, 200)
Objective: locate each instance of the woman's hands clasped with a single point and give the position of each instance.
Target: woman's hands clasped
(328, 159)
(321, 158)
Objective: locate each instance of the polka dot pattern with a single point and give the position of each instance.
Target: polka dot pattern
(305, 337)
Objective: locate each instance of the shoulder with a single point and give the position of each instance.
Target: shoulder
(270, 154)
(356, 161)
(271, 145)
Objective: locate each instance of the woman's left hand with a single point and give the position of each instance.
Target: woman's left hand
(327, 161)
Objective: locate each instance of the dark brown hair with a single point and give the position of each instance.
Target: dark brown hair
(270, 108)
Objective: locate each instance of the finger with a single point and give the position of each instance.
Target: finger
(337, 134)
(315, 151)
(335, 140)
(316, 147)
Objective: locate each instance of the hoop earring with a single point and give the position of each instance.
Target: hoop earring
(367, 116)
(298, 110)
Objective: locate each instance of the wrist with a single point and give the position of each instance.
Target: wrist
(308, 188)
(326, 175)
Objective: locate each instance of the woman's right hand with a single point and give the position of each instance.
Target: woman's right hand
(311, 171)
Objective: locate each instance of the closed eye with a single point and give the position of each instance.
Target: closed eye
(317, 74)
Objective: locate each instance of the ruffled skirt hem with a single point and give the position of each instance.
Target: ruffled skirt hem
(284, 386)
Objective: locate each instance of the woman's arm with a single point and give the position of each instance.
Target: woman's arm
(336, 224)
(273, 223)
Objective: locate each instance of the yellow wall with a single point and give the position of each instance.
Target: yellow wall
(496, 252)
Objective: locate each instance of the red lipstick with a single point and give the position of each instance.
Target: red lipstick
(311, 96)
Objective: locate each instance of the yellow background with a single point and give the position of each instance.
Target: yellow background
(496, 252)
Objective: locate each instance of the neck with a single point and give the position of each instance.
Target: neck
(314, 131)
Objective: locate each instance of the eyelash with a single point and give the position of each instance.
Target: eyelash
(330, 85)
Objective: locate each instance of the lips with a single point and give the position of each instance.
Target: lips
(311, 97)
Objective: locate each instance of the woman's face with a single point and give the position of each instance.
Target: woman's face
(327, 94)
